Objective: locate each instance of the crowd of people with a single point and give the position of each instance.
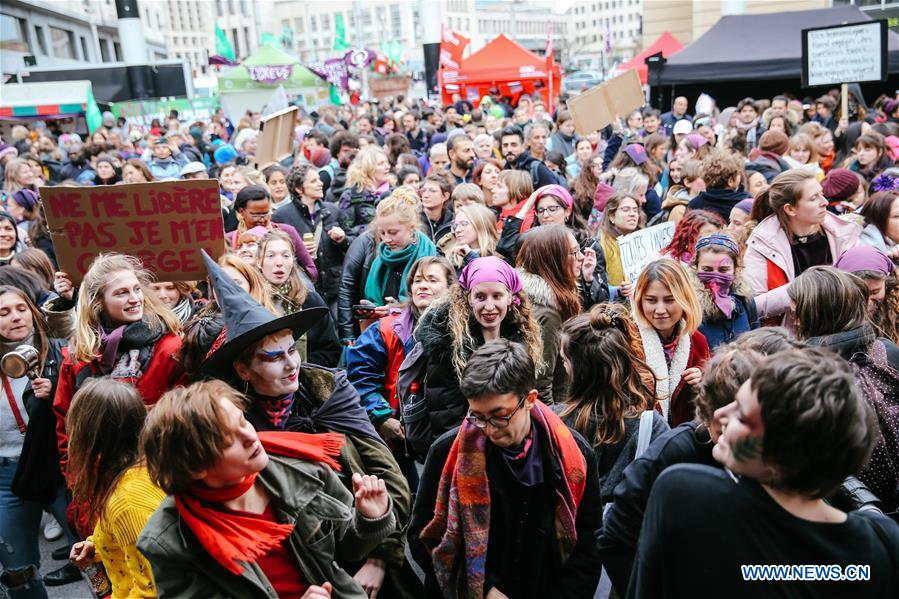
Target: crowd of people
(420, 368)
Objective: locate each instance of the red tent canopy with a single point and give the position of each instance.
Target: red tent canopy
(666, 43)
(505, 64)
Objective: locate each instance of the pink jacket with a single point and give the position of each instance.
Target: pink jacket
(769, 243)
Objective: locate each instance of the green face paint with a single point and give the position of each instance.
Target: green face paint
(746, 449)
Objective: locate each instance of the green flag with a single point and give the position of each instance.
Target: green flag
(335, 96)
(269, 39)
(340, 33)
(92, 117)
(222, 45)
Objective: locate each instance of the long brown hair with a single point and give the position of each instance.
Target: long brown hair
(296, 297)
(786, 188)
(616, 385)
(40, 338)
(103, 425)
(544, 253)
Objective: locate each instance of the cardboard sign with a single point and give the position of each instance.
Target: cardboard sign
(275, 142)
(640, 247)
(164, 224)
(851, 53)
(600, 105)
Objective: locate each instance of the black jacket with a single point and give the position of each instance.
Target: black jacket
(522, 556)
(330, 255)
(38, 476)
(357, 210)
(523, 163)
(719, 201)
(443, 227)
(337, 187)
(356, 265)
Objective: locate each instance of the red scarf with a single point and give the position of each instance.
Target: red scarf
(461, 525)
(230, 538)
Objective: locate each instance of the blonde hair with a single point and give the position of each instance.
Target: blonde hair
(469, 193)
(520, 185)
(360, 173)
(403, 203)
(10, 185)
(483, 220)
(804, 142)
(260, 290)
(672, 275)
(86, 341)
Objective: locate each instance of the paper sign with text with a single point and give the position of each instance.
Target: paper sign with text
(275, 142)
(600, 105)
(640, 247)
(851, 53)
(164, 224)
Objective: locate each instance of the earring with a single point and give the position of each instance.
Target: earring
(246, 387)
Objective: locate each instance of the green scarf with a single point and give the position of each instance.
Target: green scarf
(388, 261)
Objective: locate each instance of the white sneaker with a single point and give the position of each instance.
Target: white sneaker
(52, 530)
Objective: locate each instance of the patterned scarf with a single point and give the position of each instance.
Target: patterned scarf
(460, 528)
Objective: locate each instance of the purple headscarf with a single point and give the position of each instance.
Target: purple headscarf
(865, 257)
(555, 190)
(490, 269)
(696, 141)
(637, 153)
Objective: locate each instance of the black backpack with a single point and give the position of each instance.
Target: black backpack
(413, 409)
(534, 169)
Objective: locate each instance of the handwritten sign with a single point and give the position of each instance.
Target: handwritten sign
(164, 224)
(275, 141)
(600, 105)
(639, 248)
(271, 73)
(850, 53)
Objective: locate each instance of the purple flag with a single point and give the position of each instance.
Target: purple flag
(359, 57)
(216, 59)
(333, 70)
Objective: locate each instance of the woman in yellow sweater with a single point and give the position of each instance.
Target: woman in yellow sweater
(106, 473)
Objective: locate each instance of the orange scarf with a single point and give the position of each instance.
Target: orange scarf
(230, 538)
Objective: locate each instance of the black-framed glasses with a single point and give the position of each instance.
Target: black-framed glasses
(494, 421)
(548, 209)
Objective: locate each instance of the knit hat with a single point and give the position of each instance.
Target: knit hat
(865, 257)
(224, 154)
(890, 106)
(776, 142)
(193, 167)
(8, 149)
(745, 205)
(26, 198)
(840, 184)
(320, 157)
(637, 153)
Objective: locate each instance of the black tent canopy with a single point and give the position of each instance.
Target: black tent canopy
(758, 47)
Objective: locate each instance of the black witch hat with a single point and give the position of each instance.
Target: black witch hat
(246, 321)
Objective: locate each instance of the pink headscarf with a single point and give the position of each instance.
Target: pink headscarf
(555, 190)
(490, 269)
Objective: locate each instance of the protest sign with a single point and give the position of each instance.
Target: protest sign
(639, 248)
(600, 105)
(164, 224)
(851, 53)
(275, 142)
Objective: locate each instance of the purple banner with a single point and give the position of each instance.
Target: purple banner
(270, 73)
(359, 58)
(333, 70)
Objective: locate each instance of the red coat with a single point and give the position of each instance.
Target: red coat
(162, 373)
(683, 402)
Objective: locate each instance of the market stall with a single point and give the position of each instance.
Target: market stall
(666, 43)
(64, 101)
(507, 65)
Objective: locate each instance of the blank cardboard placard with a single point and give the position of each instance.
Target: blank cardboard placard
(164, 224)
(600, 105)
(275, 141)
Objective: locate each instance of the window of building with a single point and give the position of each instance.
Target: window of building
(231, 10)
(63, 43)
(235, 42)
(298, 24)
(117, 49)
(104, 50)
(218, 7)
(246, 39)
(313, 23)
(13, 34)
(326, 22)
(85, 54)
(244, 8)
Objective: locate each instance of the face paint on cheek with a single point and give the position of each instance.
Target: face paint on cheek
(746, 449)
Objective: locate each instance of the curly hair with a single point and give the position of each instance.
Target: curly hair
(617, 385)
(817, 427)
(686, 233)
(886, 318)
(518, 321)
(297, 177)
(719, 168)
